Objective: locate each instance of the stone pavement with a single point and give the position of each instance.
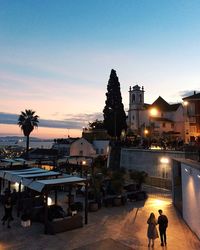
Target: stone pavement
(117, 228)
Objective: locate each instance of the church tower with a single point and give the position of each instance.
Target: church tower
(136, 105)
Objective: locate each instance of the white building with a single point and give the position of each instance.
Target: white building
(186, 191)
(101, 147)
(81, 147)
(160, 117)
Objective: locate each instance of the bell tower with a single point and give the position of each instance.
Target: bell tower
(136, 105)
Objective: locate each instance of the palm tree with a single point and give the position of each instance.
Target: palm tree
(28, 121)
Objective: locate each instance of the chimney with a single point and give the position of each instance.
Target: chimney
(194, 92)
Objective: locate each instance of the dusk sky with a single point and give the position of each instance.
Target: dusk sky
(56, 57)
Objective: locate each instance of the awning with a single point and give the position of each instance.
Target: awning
(18, 175)
(27, 176)
(40, 185)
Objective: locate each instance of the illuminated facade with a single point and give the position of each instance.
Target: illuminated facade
(192, 116)
(160, 117)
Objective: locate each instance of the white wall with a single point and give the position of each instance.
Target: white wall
(82, 145)
(101, 145)
(191, 197)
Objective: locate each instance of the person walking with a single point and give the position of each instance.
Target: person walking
(152, 232)
(163, 223)
(8, 212)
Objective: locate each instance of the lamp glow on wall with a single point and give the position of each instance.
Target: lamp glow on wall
(49, 201)
(164, 160)
(153, 111)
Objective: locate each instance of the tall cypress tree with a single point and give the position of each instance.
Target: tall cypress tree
(114, 114)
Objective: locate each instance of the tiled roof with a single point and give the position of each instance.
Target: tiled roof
(174, 107)
(162, 105)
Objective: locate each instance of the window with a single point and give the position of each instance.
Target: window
(102, 151)
(140, 97)
(163, 124)
(97, 151)
(133, 98)
(172, 125)
(133, 117)
(81, 152)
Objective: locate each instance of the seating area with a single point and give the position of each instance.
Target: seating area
(32, 203)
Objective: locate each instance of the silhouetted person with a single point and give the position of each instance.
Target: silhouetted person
(8, 212)
(14, 196)
(152, 232)
(163, 223)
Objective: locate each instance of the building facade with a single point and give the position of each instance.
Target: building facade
(192, 117)
(158, 119)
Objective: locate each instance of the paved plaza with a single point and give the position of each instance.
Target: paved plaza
(114, 228)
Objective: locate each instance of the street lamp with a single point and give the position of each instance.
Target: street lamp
(185, 103)
(83, 163)
(164, 164)
(153, 111)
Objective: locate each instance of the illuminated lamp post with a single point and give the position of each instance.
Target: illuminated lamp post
(146, 133)
(164, 162)
(83, 163)
(153, 112)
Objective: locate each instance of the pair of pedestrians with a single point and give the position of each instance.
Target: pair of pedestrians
(152, 232)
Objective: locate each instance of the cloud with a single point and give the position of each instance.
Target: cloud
(72, 121)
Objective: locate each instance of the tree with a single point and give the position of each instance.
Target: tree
(28, 121)
(114, 114)
(97, 124)
(139, 177)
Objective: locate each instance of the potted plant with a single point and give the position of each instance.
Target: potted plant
(139, 177)
(117, 182)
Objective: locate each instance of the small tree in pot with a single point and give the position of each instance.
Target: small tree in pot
(139, 177)
(117, 183)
